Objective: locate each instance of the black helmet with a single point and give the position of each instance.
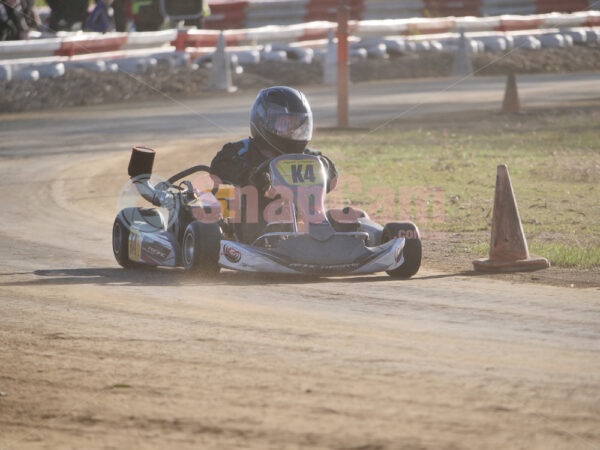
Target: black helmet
(281, 119)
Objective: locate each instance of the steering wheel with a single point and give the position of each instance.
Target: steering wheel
(200, 168)
(187, 172)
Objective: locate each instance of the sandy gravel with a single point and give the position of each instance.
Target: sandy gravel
(94, 356)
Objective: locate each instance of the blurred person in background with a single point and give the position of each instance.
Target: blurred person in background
(13, 20)
(66, 14)
(199, 22)
(146, 15)
(121, 13)
(101, 19)
(31, 16)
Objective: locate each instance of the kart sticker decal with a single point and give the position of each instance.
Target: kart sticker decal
(155, 250)
(232, 254)
(134, 244)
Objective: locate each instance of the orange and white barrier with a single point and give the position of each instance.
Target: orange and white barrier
(113, 46)
(228, 14)
(85, 43)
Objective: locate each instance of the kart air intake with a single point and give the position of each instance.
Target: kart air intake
(140, 170)
(141, 161)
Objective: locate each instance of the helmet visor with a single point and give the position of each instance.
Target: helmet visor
(289, 125)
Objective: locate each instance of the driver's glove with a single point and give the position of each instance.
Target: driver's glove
(261, 180)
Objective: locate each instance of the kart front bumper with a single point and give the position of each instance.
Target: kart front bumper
(341, 256)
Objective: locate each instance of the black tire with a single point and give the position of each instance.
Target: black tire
(120, 242)
(412, 248)
(200, 248)
(147, 220)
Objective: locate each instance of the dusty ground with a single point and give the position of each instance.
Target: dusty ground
(452, 252)
(97, 357)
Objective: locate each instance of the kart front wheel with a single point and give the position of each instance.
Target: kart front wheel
(200, 247)
(412, 247)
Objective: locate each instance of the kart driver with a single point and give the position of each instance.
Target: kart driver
(281, 122)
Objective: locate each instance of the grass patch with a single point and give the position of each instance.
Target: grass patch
(447, 168)
(559, 255)
(120, 386)
(566, 256)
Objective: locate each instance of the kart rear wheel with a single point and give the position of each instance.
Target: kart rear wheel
(200, 248)
(412, 247)
(120, 242)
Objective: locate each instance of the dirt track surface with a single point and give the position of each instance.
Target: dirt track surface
(94, 356)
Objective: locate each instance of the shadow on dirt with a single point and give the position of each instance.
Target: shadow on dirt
(177, 277)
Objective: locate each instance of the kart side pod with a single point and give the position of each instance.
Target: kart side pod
(141, 161)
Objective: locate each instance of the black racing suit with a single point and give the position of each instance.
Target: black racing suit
(235, 164)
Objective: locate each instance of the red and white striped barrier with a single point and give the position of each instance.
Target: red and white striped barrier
(94, 43)
(237, 14)
(228, 14)
(411, 26)
(84, 43)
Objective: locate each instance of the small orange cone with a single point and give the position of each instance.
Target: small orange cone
(508, 246)
(511, 104)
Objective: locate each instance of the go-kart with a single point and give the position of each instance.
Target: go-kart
(206, 230)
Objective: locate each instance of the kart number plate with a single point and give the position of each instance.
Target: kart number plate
(301, 173)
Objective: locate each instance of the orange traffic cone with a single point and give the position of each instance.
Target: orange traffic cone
(511, 104)
(508, 246)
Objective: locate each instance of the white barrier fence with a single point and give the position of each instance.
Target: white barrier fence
(301, 42)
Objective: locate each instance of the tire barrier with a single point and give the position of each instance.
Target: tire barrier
(51, 70)
(5, 72)
(136, 65)
(139, 52)
(142, 60)
(88, 43)
(93, 66)
(27, 75)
